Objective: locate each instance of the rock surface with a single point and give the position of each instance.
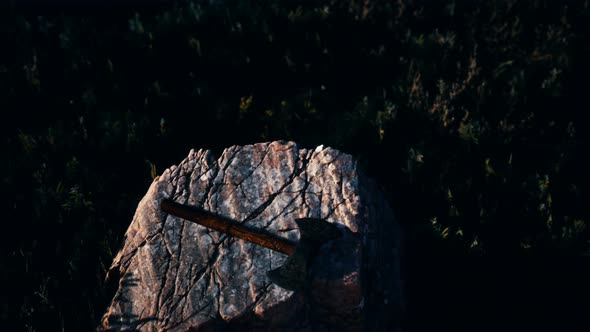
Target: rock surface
(174, 275)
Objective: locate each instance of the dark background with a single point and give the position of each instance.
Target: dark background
(469, 114)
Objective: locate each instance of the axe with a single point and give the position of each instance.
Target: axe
(291, 275)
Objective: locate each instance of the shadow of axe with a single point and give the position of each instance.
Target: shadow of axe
(291, 275)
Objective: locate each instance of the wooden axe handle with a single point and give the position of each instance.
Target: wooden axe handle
(228, 226)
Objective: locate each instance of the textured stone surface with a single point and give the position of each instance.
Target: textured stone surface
(174, 275)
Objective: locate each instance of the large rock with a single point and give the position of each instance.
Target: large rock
(175, 275)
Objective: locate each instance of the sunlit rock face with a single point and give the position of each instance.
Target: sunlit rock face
(175, 275)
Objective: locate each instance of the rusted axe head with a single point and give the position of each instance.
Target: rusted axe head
(313, 233)
(293, 274)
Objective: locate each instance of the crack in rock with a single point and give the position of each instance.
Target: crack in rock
(189, 278)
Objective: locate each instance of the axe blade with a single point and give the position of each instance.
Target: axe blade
(292, 275)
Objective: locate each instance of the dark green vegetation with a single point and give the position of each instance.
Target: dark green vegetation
(468, 113)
